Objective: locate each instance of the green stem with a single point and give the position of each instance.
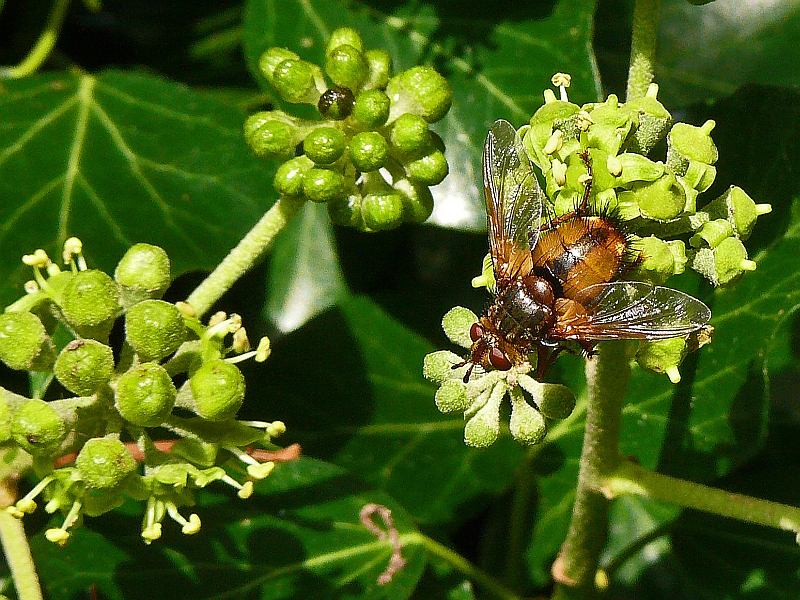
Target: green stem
(245, 255)
(630, 478)
(643, 47)
(520, 520)
(461, 564)
(17, 550)
(43, 47)
(607, 376)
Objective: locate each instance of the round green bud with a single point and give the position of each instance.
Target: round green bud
(410, 134)
(271, 136)
(104, 463)
(272, 58)
(83, 366)
(289, 176)
(371, 109)
(218, 390)
(456, 324)
(663, 356)
(346, 211)
(739, 209)
(143, 272)
(368, 151)
(344, 36)
(527, 425)
(380, 69)
(38, 428)
(323, 185)
(730, 261)
(382, 210)
(451, 397)
(324, 145)
(417, 200)
(429, 169)
(145, 395)
(421, 91)
(691, 143)
(336, 103)
(24, 343)
(90, 302)
(296, 81)
(155, 329)
(347, 66)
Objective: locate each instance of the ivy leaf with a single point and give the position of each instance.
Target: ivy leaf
(299, 536)
(120, 158)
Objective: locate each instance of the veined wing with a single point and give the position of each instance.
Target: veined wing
(636, 310)
(513, 201)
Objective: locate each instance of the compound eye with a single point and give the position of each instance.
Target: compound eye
(499, 360)
(476, 332)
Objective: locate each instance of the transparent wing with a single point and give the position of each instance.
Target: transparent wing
(513, 201)
(636, 310)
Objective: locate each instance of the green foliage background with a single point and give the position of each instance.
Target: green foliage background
(133, 133)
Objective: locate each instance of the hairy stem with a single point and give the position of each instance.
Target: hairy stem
(16, 548)
(607, 376)
(643, 47)
(44, 45)
(630, 478)
(245, 255)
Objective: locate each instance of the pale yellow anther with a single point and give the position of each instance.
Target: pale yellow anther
(561, 80)
(747, 265)
(652, 90)
(38, 259)
(674, 374)
(217, 318)
(234, 323)
(187, 310)
(276, 428)
(26, 505)
(614, 165)
(31, 287)
(763, 209)
(246, 491)
(584, 179)
(264, 349)
(192, 526)
(15, 512)
(57, 536)
(554, 143)
(152, 532)
(72, 247)
(240, 341)
(584, 120)
(260, 471)
(559, 172)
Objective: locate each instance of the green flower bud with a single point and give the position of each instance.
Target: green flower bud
(145, 395)
(298, 81)
(38, 428)
(323, 185)
(636, 167)
(371, 109)
(380, 69)
(739, 209)
(90, 302)
(83, 366)
(155, 329)
(535, 138)
(324, 145)
(368, 151)
(725, 263)
(451, 397)
(612, 124)
(271, 135)
(527, 425)
(336, 103)
(429, 169)
(382, 210)
(663, 199)
(663, 356)
(347, 66)
(344, 36)
(555, 401)
(711, 234)
(483, 428)
(346, 211)
(24, 343)
(104, 463)
(218, 390)
(417, 200)
(437, 366)
(660, 260)
(410, 134)
(289, 176)
(456, 324)
(654, 122)
(272, 58)
(143, 273)
(686, 142)
(420, 91)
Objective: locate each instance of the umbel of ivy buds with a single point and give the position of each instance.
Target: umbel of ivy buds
(371, 156)
(76, 443)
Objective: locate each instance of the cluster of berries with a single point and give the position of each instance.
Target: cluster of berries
(372, 156)
(93, 443)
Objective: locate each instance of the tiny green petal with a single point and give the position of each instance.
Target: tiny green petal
(555, 401)
(438, 366)
(483, 428)
(527, 424)
(457, 323)
(451, 397)
(711, 234)
(342, 36)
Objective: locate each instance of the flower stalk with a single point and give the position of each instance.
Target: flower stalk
(643, 48)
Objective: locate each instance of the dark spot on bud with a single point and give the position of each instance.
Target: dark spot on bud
(336, 103)
(75, 344)
(32, 439)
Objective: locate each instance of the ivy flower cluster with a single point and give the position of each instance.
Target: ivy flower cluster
(93, 442)
(656, 203)
(371, 156)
